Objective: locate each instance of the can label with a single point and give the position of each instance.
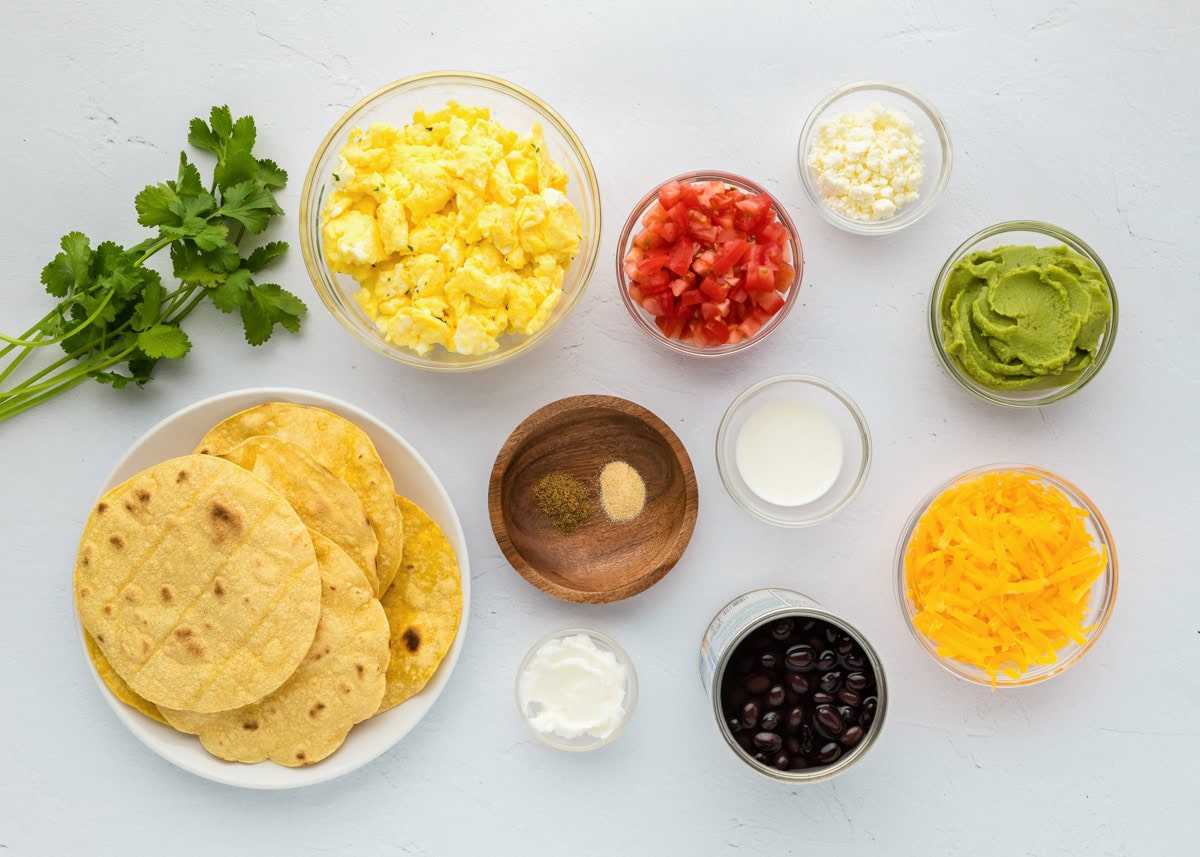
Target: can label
(738, 615)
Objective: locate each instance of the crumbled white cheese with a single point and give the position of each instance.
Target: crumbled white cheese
(869, 163)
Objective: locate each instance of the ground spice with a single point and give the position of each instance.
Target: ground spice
(564, 499)
(622, 491)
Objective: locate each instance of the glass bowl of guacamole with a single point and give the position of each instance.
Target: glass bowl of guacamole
(1023, 314)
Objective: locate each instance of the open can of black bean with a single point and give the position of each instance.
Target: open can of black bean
(798, 693)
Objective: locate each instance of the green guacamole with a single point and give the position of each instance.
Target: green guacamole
(1025, 316)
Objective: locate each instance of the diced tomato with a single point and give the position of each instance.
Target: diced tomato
(680, 258)
(710, 263)
(770, 301)
(729, 255)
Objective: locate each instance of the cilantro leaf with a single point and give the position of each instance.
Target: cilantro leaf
(149, 308)
(163, 340)
(270, 174)
(203, 137)
(268, 306)
(234, 167)
(158, 205)
(69, 269)
(249, 205)
(188, 183)
(222, 122)
(264, 255)
(231, 294)
(197, 267)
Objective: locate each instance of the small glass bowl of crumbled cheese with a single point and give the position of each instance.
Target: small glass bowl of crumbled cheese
(874, 157)
(576, 689)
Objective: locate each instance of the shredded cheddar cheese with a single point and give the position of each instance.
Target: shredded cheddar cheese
(999, 569)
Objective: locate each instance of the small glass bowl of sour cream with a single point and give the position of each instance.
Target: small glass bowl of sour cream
(793, 450)
(576, 689)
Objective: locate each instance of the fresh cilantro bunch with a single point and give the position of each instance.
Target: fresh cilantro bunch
(115, 318)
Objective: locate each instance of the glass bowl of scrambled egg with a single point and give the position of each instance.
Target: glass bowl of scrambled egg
(450, 220)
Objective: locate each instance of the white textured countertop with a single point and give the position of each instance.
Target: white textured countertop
(1081, 114)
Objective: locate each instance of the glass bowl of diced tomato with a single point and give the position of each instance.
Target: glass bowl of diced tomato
(709, 263)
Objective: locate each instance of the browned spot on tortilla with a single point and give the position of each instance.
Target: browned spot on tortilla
(84, 592)
(129, 507)
(361, 669)
(99, 638)
(117, 542)
(130, 595)
(245, 599)
(108, 610)
(412, 640)
(145, 647)
(344, 688)
(181, 476)
(218, 588)
(166, 592)
(102, 508)
(250, 725)
(300, 756)
(225, 525)
(316, 709)
(194, 648)
(143, 496)
(86, 561)
(183, 632)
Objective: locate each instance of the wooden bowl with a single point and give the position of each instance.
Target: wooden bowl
(602, 560)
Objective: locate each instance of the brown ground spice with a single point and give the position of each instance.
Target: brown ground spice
(564, 499)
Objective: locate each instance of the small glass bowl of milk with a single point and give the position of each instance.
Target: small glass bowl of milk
(793, 450)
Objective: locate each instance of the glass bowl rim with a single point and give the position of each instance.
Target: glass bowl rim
(724, 466)
(626, 238)
(631, 688)
(923, 206)
(1109, 579)
(309, 210)
(1053, 394)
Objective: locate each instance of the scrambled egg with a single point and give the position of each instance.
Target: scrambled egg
(457, 229)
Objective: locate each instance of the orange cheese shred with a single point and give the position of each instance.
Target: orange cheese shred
(998, 571)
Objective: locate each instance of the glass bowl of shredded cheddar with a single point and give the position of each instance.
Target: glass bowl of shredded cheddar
(450, 220)
(1006, 575)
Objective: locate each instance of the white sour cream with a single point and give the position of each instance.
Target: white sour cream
(571, 687)
(789, 453)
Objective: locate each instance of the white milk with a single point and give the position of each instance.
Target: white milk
(789, 453)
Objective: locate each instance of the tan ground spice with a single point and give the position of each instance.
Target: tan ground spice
(564, 499)
(622, 491)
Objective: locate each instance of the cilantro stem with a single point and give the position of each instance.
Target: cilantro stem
(12, 409)
(38, 326)
(37, 343)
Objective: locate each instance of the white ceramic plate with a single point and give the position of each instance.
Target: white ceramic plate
(178, 435)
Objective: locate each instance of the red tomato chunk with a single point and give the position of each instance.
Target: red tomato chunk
(711, 263)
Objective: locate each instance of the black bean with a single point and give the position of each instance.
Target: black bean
(735, 696)
(745, 740)
(795, 717)
(855, 660)
(800, 658)
(849, 715)
(831, 681)
(735, 725)
(857, 681)
(761, 757)
(850, 697)
(798, 682)
(750, 714)
(793, 745)
(827, 660)
(829, 753)
(831, 633)
(845, 647)
(829, 721)
(770, 721)
(782, 762)
(768, 742)
(769, 660)
(869, 706)
(776, 695)
(806, 740)
(823, 698)
(852, 736)
(782, 629)
(744, 664)
(756, 683)
(791, 698)
(799, 763)
(808, 625)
